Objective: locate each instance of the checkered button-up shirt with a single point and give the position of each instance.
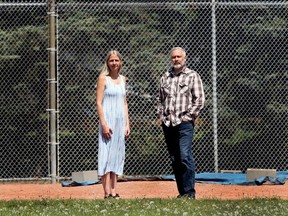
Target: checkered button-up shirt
(181, 96)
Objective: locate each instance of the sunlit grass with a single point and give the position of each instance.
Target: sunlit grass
(144, 207)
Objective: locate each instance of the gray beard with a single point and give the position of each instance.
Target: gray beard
(177, 66)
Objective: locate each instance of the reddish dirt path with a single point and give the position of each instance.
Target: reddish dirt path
(138, 189)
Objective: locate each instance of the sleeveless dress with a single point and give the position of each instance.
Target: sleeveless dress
(111, 153)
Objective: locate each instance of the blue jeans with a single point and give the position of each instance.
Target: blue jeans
(179, 140)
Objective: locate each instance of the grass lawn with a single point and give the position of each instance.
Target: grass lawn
(144, 207)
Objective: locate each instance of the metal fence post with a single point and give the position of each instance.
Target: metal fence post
(214, 85)
(52, 87)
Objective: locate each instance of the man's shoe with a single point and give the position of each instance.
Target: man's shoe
(186, 196)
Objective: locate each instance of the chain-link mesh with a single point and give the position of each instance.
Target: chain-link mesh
(238, 47)
(144, 33)
(252, 86)
(23, 94)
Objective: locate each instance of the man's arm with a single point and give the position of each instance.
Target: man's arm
(160, 102)
(198, 97)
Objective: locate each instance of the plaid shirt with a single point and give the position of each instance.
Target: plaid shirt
(181, 96)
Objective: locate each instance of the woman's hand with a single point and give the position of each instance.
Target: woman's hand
(106, 132)
(127, 132)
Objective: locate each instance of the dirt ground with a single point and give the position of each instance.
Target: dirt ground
(138, 189)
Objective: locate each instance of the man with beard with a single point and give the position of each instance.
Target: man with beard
(181, 97)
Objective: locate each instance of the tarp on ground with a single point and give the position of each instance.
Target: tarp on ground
(237, 178)
(209, 178)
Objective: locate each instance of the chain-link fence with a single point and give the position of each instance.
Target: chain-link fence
(238, 47)
(23, 94)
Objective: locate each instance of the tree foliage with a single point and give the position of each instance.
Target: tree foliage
(251, 80)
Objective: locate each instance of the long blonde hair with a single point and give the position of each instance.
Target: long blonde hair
(105, 69)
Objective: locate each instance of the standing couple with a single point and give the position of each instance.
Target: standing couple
(180, 99)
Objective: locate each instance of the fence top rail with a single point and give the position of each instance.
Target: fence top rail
(147, 4)
(21, 4)
(168, 5)
(156, 4)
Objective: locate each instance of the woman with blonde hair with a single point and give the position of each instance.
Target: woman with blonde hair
(112, 109)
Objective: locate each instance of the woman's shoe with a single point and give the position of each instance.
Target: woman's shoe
(116, 196)
(108, 196)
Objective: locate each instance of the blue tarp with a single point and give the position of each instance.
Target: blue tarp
(209, 178)
(73, 183)
(236, 178)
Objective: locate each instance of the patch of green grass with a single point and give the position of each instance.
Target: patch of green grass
(143, 207)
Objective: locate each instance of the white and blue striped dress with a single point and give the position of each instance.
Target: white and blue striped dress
(111, 153)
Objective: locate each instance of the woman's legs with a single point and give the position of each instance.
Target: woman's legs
(113, 182)
(106, 184)
(109, 182)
